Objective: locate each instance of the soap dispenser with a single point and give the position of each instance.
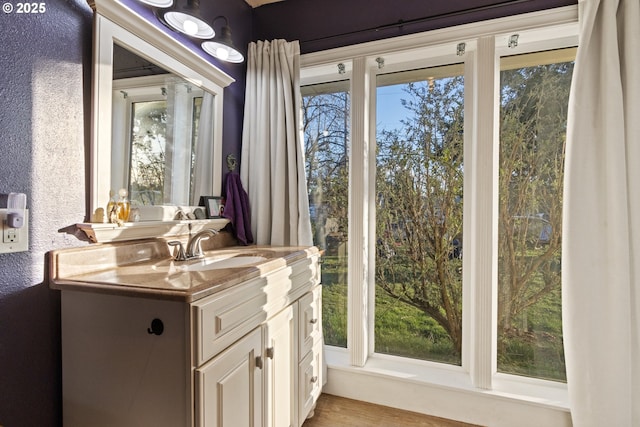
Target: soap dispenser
(124, 206)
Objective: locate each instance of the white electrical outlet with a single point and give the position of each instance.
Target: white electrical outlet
(9, 235)
(14, 239)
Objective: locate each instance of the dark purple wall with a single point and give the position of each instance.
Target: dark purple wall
(326, 24)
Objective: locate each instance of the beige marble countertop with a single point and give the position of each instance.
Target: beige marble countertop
(146, 268)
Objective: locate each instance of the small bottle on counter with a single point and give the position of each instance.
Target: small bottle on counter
(112, 208)
(124, 207)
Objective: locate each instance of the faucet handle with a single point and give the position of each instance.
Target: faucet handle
(180, 255)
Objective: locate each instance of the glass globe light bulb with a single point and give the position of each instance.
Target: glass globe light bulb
(190, 27)
(222, 53)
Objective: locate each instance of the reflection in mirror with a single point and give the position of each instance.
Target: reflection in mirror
(161, 149)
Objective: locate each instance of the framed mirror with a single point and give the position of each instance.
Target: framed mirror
(188, 84)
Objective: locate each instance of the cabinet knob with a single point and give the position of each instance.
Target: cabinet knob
(157, 327)
(259, 362)
(314, 379)
(269, 352)
(313, 321)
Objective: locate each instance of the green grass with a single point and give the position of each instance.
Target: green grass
(334, 301)
(535, 349)
(403, 330)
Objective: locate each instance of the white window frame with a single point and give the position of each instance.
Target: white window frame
(444, 390)
(128, 91)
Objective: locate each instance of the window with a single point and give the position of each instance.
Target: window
(462, 198)
(533, 113)
(419, 184)
(325, 112)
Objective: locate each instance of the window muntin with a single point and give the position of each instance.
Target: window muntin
(533, 113)
(325, 112)
(419, 185)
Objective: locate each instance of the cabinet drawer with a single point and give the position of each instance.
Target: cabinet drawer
(222, 319)
(309, 382)
(310, 320)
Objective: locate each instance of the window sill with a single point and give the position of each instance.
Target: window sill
(530, 391)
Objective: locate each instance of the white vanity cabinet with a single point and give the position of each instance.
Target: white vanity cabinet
(248, 355)
(280, 309)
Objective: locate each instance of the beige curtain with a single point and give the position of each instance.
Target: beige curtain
(601, 230)
(272, 164)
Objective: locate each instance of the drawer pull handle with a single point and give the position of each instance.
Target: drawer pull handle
(157, 327)
(259, 362)
(270, 352)
(314, 379)
(313, 321)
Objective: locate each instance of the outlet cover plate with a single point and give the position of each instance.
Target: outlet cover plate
(14, 239)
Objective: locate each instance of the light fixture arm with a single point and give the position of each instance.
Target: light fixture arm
(226, 21)
(222, 46)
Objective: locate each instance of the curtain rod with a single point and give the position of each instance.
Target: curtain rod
(401, 23)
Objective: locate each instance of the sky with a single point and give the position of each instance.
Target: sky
(389, 110)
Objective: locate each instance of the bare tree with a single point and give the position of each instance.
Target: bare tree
(419, 213)
(147, 171)
(532, 147)
(326, 130)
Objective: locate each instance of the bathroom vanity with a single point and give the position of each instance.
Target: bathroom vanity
(233, 339)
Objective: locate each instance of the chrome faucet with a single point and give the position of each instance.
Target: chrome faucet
(194, 247)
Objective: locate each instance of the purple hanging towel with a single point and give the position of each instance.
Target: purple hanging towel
(236, 209)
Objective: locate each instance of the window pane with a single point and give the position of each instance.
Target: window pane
(418, 310)
(325, 112)
(534, 99)
(148, 141)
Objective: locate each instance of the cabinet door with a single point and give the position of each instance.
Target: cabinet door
(280, 358)
(229, 387)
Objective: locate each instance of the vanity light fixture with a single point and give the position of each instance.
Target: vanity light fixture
(222, 46)
(185, 17)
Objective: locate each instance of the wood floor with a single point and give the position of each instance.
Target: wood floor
(333, 411)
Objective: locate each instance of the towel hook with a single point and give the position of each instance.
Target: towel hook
(231, 162)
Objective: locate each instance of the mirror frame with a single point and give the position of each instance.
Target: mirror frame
(115, 23)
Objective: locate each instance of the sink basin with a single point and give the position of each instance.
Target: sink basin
(215, 262)
(231, 262)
